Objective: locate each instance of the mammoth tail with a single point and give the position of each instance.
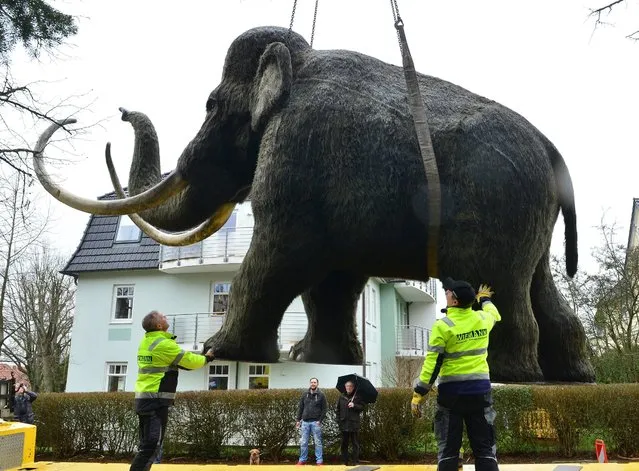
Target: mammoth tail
(568, 210)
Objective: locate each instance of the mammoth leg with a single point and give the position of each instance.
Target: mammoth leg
(562, 340)
(512, 354)
(272, 274)
(330, 308)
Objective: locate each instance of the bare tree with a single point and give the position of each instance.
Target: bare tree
(24, 106)
(22, 111)
(21, 226)
(601, 13)
(607, 302)
(401, 372)
(615, 291)
(578, 292)
(41, 317)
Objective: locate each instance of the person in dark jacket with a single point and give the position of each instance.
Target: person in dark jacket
(348, 410)
(310, 415)
(22, 409)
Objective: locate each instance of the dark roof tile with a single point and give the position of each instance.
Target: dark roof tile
(98, 250)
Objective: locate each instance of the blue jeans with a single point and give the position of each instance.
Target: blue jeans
(316, 429)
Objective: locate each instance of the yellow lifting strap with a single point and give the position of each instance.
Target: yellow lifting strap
(418, 110)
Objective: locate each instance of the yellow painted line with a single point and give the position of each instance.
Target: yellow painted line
(51, 466)
(564, 467)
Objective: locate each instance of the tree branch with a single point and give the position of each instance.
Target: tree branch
(13, 166)
(30, 110)
(608, 7)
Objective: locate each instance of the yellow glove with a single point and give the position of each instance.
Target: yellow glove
(415, 403)
(484, 291)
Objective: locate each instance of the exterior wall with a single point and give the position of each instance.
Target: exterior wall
(282, 375)
(422, 314)
(389, 300)
(297, 375)
(370, 317)
(98, 339)
(633, 232)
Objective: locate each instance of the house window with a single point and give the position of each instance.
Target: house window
(218, 377)
(368, 315)
(123, 303)
(374, 312)
(402, 313)
(258, 376)
(221, 293)
(4, 393)
(127, 230)
(116, 377)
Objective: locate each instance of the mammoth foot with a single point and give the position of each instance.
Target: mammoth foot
(258, 350)
(506, 367)
(317, 351)
(567, 369)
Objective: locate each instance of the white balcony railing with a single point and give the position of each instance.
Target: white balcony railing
(193, 329)
(411, 340)
(429, 287)
(415, 291)
(223, 246)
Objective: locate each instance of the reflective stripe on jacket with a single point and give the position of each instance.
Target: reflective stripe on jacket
(159, 357)
(458, 350)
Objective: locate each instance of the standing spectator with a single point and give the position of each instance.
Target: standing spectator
(22, 410)
(348, 410)
(310, 415)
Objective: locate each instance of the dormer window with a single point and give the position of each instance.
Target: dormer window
(127, 231)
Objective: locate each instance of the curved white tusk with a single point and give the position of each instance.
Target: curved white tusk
(192, 236)
(151, 198)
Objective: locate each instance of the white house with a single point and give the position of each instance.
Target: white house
(122, 275)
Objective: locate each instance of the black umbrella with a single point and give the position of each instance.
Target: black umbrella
(364, 389)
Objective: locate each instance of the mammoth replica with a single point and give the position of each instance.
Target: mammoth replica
(324, 143)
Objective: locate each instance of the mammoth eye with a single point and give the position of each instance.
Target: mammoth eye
(210, 104)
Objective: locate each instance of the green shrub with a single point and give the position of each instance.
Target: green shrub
(570, 411)
(267, 419)
(213, 424)
(200, 423)
(73, 423)
(513, 425)
(615, 406)
(388, 428)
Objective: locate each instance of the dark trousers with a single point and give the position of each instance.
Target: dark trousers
(152, 429)
(477, 413)
(26, 419)
(353, 438)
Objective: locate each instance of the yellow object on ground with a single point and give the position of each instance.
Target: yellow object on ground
(48, 466)
(17, 445)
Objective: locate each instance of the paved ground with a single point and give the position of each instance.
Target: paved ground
(49, 466)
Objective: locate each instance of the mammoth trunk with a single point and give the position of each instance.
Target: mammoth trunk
(173, 215)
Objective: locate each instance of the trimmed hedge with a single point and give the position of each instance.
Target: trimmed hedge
(563, 420)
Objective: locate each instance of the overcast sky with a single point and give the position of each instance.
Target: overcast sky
(540, 58)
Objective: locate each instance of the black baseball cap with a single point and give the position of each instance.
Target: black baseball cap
(463, 291)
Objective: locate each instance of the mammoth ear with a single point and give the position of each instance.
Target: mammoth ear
(272, 83)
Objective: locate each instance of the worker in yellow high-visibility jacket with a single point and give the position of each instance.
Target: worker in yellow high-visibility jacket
(159, 358)
(457, 354)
